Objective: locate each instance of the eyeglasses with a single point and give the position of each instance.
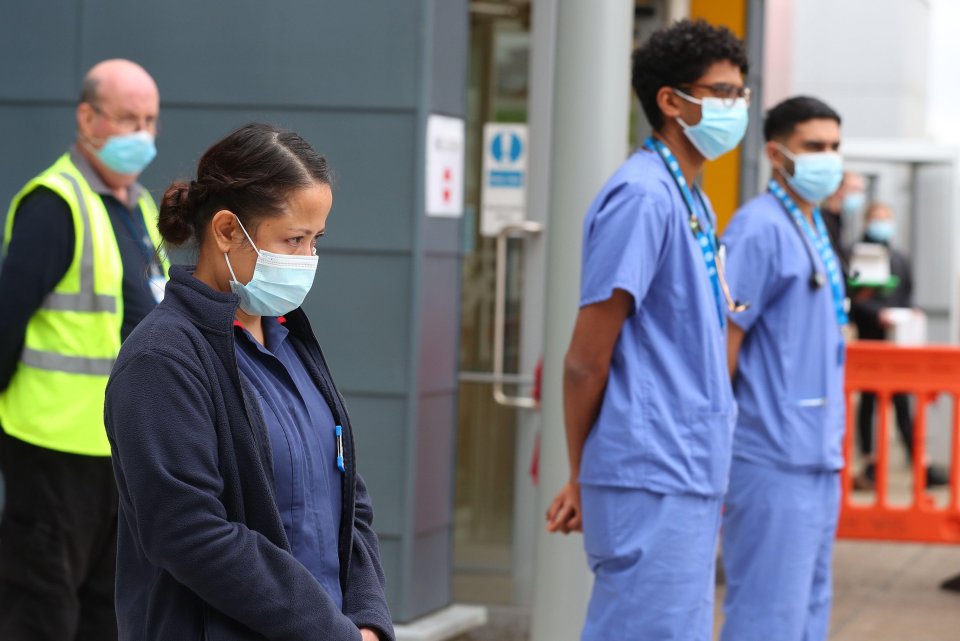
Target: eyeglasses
(128, 123)
(728, 94)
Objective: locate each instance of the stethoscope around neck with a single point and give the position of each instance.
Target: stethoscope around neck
(817, 278)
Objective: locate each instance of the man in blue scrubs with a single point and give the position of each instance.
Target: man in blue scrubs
(649, 410)
(786, 357)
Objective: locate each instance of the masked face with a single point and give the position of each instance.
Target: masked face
(280, 282)
(128, 154)
(815, 175)
(853, 203)
(723, 122)
(119, 126)
(808, 160)
(273, 273)
(880, 231)
(712, 110)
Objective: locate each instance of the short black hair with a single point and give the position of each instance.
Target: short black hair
(782, 119)
(680, 54)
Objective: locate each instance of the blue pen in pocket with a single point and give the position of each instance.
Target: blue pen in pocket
(340, 465)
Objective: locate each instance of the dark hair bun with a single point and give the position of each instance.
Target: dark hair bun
(175, 214)
(251, 173)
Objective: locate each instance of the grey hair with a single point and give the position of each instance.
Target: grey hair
(89, 91)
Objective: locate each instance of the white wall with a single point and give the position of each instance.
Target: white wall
(866, 58)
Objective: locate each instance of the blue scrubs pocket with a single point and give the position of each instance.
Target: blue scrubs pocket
(709, 438)
(806, 434)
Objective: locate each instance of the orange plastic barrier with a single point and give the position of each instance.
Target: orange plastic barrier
(925, 373)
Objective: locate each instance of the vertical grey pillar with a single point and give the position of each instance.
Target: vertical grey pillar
(424, 582)
(590, 129)
(527, 519)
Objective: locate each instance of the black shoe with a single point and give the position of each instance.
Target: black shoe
(937, 477)
(952, 584)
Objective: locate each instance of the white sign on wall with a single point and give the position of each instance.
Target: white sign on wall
(503, 195)
(445, 153)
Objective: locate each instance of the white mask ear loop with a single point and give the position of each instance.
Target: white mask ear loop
(690, 99)
(243, 229)
(230, 267)
(790, 156)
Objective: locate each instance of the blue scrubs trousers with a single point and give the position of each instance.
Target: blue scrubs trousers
(653, 557)
(778, 533)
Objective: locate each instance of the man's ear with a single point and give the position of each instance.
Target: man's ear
(85, 116)
(668, 102)
(776, 156)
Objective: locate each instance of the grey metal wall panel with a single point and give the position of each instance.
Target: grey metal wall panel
(431, 556)
(433, 498)
(358, 309)
(392, 551)
(290, 52)
(450, 27)
(442, 235)
(371, 158)
(378, 427)
(39, 50)
(440, 329)
(51, 131)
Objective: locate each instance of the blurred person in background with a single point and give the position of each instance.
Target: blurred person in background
(242, 515)
(81, 269)
(871, 312)
(842, 206)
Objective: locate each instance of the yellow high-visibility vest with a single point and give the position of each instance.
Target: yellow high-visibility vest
(55, 398)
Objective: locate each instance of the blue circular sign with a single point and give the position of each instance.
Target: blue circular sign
(506, 146)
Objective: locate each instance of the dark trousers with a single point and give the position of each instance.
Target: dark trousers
(901, 406)
(58, 545)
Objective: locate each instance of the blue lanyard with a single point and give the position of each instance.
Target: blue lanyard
(703, 233)
(821, 242)
(144, 242)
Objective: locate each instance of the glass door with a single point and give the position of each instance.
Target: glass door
(486, 457)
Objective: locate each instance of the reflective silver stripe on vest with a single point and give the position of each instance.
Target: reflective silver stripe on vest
(86, 300)
(70, 364)
(82, 302)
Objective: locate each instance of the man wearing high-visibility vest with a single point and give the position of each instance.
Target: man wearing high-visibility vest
(81, 267)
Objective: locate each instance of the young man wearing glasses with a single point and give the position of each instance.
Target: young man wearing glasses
(80, 270)
(786, 356)
(649, 411)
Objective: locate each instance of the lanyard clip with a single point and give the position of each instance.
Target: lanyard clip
(340, 465)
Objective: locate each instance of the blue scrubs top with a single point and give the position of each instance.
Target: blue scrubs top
(667, 415)
(789, 381)
(302, 434)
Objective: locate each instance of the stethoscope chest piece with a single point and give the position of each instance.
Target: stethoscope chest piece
(817, 279)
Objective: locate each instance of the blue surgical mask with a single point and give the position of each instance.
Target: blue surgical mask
(279, 285)
(880, 231)
(815, 175)
(853, 203)
(128, 153)
(720, 129)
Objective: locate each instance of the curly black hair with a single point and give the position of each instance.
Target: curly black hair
(783, 118)
(680, 54)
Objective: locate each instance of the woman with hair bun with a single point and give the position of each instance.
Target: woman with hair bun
(242, 515)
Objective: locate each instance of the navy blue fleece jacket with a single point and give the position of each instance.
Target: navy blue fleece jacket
(202, 552)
